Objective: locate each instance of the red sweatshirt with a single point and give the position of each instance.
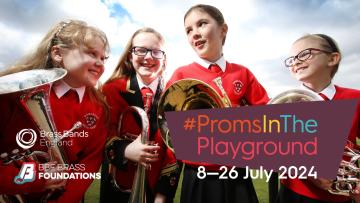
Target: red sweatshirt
(239, 83)
(307, 188)
(162, 177)
(86, 150)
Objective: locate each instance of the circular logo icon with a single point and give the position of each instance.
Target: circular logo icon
(23, 141)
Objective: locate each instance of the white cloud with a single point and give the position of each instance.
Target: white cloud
(260, 32)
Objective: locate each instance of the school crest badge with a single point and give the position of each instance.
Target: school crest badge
(90, 120)
(237, 86)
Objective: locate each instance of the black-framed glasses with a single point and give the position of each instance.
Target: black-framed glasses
(302, 56)
(142, 51)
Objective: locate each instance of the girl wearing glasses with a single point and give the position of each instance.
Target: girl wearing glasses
(137, 81)
(314, 62)
(206, 31)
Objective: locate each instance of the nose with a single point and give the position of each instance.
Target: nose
(195, 34)
(148, 55)
(99, 63)
(296, 61)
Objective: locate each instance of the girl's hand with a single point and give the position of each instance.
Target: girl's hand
(160, 198)
(322, 183)
(142, 153)
(355, 194)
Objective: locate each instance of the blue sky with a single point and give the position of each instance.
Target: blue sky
(260, 32)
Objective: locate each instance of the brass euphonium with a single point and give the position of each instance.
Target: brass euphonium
(138, 191)
(348, 176)
(189, 94)
(295, 96)
(289, 96)
(32, 89)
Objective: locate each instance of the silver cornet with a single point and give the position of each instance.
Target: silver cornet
(138, 191)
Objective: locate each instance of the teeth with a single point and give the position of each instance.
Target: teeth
(299, 69)
(199, 43)
(147, 65)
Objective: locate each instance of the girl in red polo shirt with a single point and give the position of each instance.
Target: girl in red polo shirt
(314, 61)
(137, 81)
(81, 50)
(206, 30)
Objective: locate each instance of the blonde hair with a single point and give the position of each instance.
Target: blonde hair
(66, 34)
(328, 44)
(124, 67)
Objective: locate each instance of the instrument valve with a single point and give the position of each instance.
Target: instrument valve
(5, 158)
(17, 157)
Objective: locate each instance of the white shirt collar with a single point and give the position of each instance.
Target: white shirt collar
(61, 88)
(221, 62)
(328, 91)
(153, 85)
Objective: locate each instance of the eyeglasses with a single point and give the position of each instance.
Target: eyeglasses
(142, 51)
(302, 56)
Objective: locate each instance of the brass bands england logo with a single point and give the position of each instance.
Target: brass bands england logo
(23, 140)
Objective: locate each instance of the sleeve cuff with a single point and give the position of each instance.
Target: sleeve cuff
(115, 150)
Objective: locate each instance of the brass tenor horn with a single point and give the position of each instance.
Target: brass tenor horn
(185, 95)
(348, 176)
(295, 96)
(138, 191)
(32, 89)
(289, 96)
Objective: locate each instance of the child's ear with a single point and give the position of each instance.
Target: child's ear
(56, 54)
(224, 29)
(164, 63)
(334, 59)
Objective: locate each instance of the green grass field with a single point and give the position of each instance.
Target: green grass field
(92, 195)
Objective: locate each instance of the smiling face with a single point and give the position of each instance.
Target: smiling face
(84, 64)
(205, 35)
(147, 67)
(316, 69)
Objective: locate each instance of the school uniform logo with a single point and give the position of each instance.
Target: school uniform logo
(237, 86)
(90, 120)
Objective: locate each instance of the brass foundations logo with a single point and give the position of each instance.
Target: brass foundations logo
(30, 170)
(27, 173)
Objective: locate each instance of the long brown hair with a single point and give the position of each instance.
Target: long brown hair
(124, 67)
(65, 34)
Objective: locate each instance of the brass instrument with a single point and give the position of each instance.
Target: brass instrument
(295, 96)
(348, 176)
(32, 89)
(138, 191)
(185, 95)
(289, 96)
